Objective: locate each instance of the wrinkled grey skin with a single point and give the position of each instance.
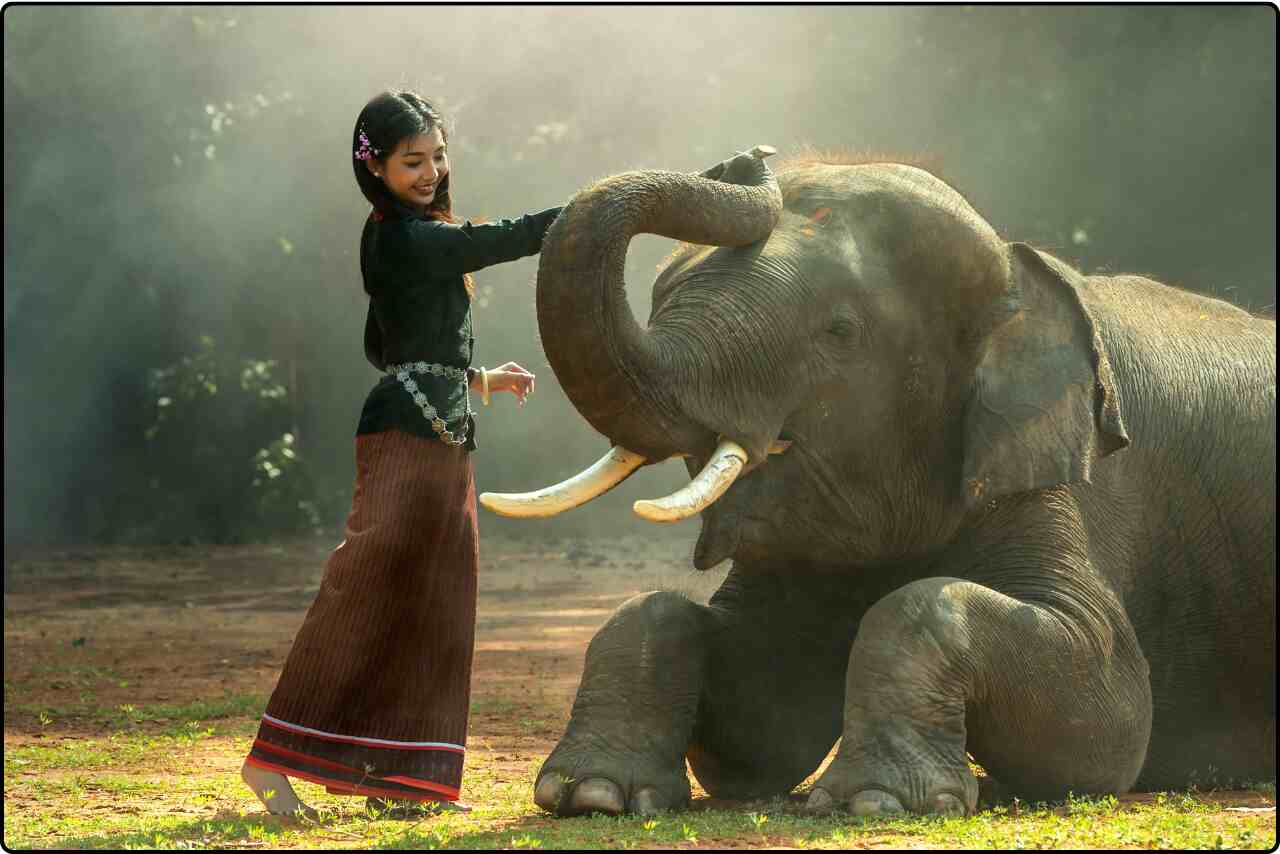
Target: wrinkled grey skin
(1028, 514)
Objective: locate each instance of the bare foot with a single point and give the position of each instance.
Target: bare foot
(275, 792)
(398, 809)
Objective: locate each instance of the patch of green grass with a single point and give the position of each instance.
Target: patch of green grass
(83, 675)
(505, 818)
(121, 749)
(74, 791)
(125, 714)
(536, 726)
(494, 706)
(165, 833)
(229, 706)
(160, 796)
(1178, 822)
(1164, 827)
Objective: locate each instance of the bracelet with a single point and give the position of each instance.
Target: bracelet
(484, 380)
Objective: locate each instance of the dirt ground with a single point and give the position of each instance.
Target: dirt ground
(167, 625)
(113, 627)
(182, 622)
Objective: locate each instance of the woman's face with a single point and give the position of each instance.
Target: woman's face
(414, 170)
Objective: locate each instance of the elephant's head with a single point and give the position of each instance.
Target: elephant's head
(919, 366)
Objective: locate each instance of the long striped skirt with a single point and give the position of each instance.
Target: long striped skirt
(374, 695)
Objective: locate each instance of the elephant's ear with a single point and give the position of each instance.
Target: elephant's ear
(1045, 404)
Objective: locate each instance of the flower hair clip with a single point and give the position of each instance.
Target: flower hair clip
(366, 149)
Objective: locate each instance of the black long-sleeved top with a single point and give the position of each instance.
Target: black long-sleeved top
(419, 303)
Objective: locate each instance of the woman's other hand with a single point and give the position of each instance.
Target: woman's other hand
(513, 378)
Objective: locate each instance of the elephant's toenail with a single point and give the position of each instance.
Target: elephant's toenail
(874, 802)
(820, 800)
(646, 802)
(549, 791)
(947, 804)
(597, 796)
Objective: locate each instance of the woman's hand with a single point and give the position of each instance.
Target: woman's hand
(513, 378)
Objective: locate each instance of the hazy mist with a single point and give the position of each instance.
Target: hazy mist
(172, 173)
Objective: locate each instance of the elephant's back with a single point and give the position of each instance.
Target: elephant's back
(1187, 363)
(1197, 389)
(1196, 382)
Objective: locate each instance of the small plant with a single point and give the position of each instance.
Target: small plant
(1083, 805)
(45, 720)
(528, 841)
(758, 820)
(689, 834)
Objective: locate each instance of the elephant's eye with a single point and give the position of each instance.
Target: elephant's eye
(846, 333)
(842, 327)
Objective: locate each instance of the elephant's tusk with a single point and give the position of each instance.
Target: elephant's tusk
(716, 476)
(612, 469)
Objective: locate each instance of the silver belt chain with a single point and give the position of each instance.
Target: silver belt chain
(404, 373)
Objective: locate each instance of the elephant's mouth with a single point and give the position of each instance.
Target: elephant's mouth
(719, 539)
(721, 471)
(726, 525)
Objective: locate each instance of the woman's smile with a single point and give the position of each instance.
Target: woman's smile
(414, 170)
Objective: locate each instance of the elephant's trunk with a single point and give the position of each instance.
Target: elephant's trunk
(611, 369)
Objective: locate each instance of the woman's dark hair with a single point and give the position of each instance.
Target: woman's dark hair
(386, 121)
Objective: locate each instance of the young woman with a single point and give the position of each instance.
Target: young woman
(374, 695)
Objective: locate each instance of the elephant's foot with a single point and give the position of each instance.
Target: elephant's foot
(903, 744)
(576, 781)
(624, 748)
(894, 771)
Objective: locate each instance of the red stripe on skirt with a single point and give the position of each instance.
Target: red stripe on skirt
(338, 787)
(293, 754)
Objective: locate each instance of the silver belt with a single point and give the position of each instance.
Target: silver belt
(404, 373)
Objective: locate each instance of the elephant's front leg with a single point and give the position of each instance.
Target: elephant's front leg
(1049, 698)
(749, 687)
(634, 715)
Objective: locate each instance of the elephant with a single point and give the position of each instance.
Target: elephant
(980, 507)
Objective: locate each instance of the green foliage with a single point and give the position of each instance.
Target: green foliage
(284, 492)
(227, 467)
